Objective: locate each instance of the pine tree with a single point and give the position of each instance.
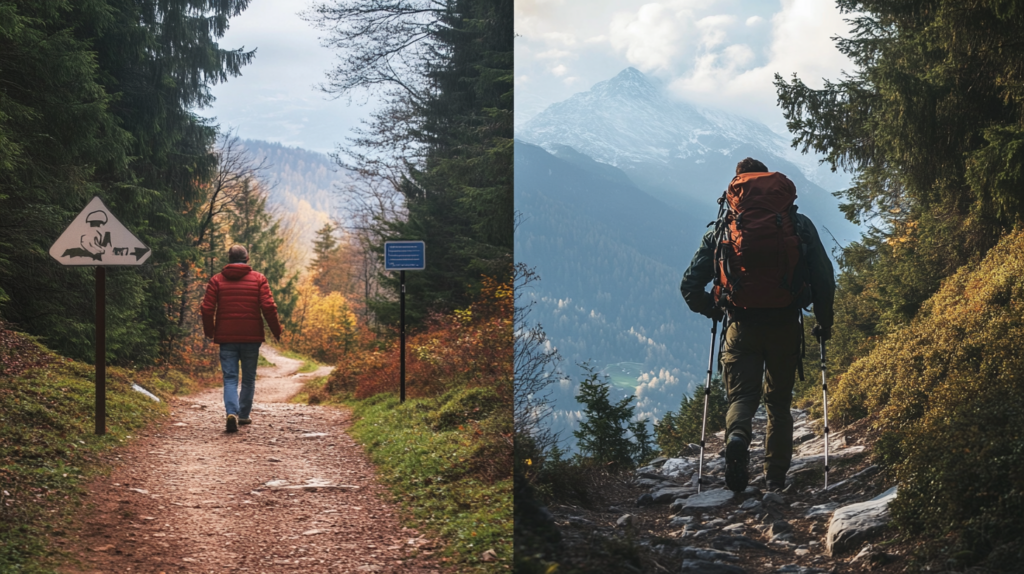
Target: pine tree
(98, 100)
(602, 433)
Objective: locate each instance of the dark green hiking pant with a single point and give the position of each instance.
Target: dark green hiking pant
(751, 348)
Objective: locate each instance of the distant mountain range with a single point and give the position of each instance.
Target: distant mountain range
(682, 154)
(616, 186)
(302, 184)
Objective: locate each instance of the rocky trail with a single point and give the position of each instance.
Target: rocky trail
(805, 529)
(290, 493)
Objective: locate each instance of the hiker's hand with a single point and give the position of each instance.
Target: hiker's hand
(821, 333)
(714, 313)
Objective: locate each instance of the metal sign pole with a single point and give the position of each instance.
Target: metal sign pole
(401, 331)
(101, 350)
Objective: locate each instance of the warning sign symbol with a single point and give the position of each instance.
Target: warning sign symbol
(96, 237)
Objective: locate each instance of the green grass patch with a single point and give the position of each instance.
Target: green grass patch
(48, 448)
(263, 362)
(433, 474)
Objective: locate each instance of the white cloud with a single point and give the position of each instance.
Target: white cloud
(731, 77)
(754, 20)
(559, 70)
(714, 29)
(653, 37)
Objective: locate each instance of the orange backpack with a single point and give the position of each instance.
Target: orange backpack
(758, 261)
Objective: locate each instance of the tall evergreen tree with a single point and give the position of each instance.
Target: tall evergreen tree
(97, 101)
(931, 122)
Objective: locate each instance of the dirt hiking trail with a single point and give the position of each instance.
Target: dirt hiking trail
(186, 496)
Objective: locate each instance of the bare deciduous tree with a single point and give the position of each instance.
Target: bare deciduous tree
(535, 364)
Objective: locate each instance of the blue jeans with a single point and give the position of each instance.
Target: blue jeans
(231, 354)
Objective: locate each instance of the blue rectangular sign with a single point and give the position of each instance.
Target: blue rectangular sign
(405, 256)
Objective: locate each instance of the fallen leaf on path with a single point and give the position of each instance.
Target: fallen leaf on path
(139, 490)
(105, 548)
(312, 532)
(489, 556)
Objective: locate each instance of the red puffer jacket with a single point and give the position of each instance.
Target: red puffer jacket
(236, 296)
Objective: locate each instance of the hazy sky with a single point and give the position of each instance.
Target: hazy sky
(275, 98)
(718, 53)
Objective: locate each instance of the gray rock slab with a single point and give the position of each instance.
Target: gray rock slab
(772, 498)
(707, 499)
(706, 567)
(822, 510)
(851, 525)
(736, 543)
(678, 467)
(666, 495)
(797, 569)
(779, 527)
(751, 504)
(677, 521)
(644, 500)
(709, 554)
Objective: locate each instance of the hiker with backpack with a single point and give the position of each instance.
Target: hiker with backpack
(766, 263)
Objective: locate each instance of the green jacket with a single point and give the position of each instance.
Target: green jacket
(823, 285)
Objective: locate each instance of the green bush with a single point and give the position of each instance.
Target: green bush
(948, 393)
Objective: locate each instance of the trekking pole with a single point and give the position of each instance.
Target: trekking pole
(707, 394)
(824, 394)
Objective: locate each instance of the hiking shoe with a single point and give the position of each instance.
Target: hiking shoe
(245, 421)
(232, 424)
(775, 485)
(736, 459)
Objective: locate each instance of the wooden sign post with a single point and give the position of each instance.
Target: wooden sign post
(96, 238)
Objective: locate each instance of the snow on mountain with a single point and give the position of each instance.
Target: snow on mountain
(629, 119)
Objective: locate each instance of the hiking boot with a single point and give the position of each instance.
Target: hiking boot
(736, 460)
(775, 485)
(232, 424)
(245, 421)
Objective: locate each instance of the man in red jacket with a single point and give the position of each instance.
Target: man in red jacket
(237, 300)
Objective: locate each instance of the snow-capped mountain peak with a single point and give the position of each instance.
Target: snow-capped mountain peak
(630, 120)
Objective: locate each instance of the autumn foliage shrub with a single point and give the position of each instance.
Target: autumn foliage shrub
(948, 393)
(469, 348)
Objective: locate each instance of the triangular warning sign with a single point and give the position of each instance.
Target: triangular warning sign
(96, 237)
